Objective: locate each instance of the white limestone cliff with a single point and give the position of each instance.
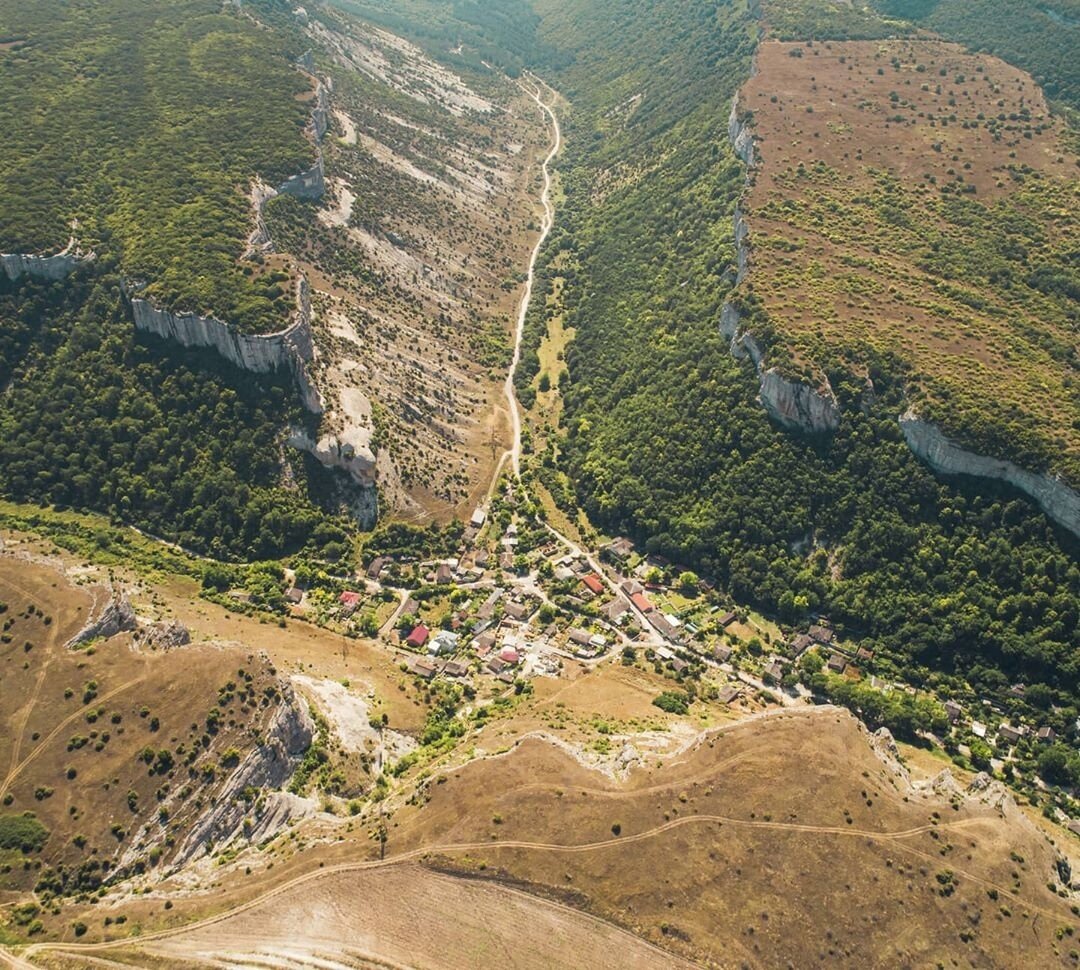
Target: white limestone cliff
(798, 405)
(794, 404)
(1060, 502)
(54, 267)
(291, 348)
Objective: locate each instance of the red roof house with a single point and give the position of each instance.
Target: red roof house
(349, 598)
(594, 583)
(419, 636)
(642, 602)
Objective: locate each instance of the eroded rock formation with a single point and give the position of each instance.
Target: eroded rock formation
(946, 457)
(267, 767)
(117, 617)
(350, 451)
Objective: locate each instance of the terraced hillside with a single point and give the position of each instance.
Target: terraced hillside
(912, 208)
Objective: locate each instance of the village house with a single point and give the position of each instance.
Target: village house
(376, 567)
(775, 671)
(593, 583)
(953, 711)
(294, 595)
(616, 609)
(729, 694)
(642, 602)
(726, 620)
(418, 637)
(1046, 734)
(410, 608)
(722, 653)
(444, 642)
(822, 634)
(662, 625)
(455, 668)
(419, 667)
(801, 644)
(496, 665)
(484, 644)
(487, 610)
(479, 517)
(349, 600)
(520, 611)
(444, 574)
(509, 655)
(581, 637)
(679, 665)
(837, 663)
(631, 587)
(1010, 734)
(978, 729)
(619, 550)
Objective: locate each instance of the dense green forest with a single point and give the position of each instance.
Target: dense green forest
(94, 417)
(146, 123)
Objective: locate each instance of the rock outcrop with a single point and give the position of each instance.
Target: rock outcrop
(740, 135)
(266, 768)
(54, 267)
(798, 405)
(1060, 502)
(291, 348)
(163, 636)
(320, 113)
(117, 617)
(350, 451)
(310, 184)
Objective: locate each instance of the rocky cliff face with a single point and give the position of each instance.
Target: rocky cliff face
(793, 404)
(54, 267)
(266, 768)
(320, 113)
(310, 184)
(945, 457)
(739, 134)
(350, 451)
(291, 348)
(798, 405)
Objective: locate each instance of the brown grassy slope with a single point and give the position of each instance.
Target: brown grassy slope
(905, 193)
(90, 716)
(742, 850)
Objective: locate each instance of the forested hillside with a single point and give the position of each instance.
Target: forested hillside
(138, 128)
(143, 125)
(662, 435)
(176, 442)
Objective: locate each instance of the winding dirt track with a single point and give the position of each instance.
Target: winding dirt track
(513, 453)
(896, 838)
